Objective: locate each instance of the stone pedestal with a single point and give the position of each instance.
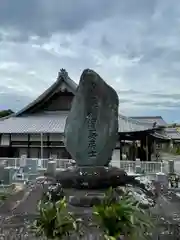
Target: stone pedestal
(85, 201)
(92, 177)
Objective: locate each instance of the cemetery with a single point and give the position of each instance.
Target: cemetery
(64, 203)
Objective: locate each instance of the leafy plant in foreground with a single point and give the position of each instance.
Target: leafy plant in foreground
(54, 221)
(122, 217)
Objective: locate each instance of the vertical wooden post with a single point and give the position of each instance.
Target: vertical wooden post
(28, 150)
(10, 146)
(134, 150)
(0, 144)
(41, 145)
(48, 144)
(154, 148)
(140, 151)
(120, 149)
(10, 140)
(147, 147)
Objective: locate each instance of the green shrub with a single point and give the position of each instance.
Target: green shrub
(115, 216)
(3, 197)
(54, 221)
(123, 217)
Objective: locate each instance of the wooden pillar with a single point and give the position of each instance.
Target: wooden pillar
(120, 149)
(42, 147)
(154, 148)
(143, 149)
(149, 148)
(28, 149)
(48, 144)
(0, 144)
(147, 141)
(10, 140)
(10, 146)
(133, 151)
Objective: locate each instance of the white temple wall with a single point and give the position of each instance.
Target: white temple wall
(5, 140)
(116, 155)
(19, 137)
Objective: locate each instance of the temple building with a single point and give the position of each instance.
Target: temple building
(37, 130)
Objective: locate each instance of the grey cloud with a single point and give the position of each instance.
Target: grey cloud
(154, 41)
(13, 100)
(20, 36)
(125, 100)
(153, 54)
(175, 96)
(151, 95)
(131, 92)
(44, 17)
(139, 98)
(164, 104)
(133, 41)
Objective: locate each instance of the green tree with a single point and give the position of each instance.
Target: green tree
(5, 113)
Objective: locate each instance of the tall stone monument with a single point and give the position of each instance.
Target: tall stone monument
(91, 133)
(91, 129)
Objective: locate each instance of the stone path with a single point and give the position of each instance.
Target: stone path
(10, 203)
(23, 203)
(29, 203)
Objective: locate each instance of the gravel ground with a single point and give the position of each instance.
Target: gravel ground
(14, 221)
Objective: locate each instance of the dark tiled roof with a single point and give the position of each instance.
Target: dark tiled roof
(127, 124)
(172, 133)
(162, 136)
(39, 123)
(54, 122)
(63, 76)
(151, 119)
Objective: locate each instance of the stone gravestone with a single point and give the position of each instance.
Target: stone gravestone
(91, 128)
(5, 175)
(51, 169)
(171, 169)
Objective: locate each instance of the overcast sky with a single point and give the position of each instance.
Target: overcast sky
(133, 44)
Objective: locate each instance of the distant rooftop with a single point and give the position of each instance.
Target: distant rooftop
(173, 133)
(158, 120)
